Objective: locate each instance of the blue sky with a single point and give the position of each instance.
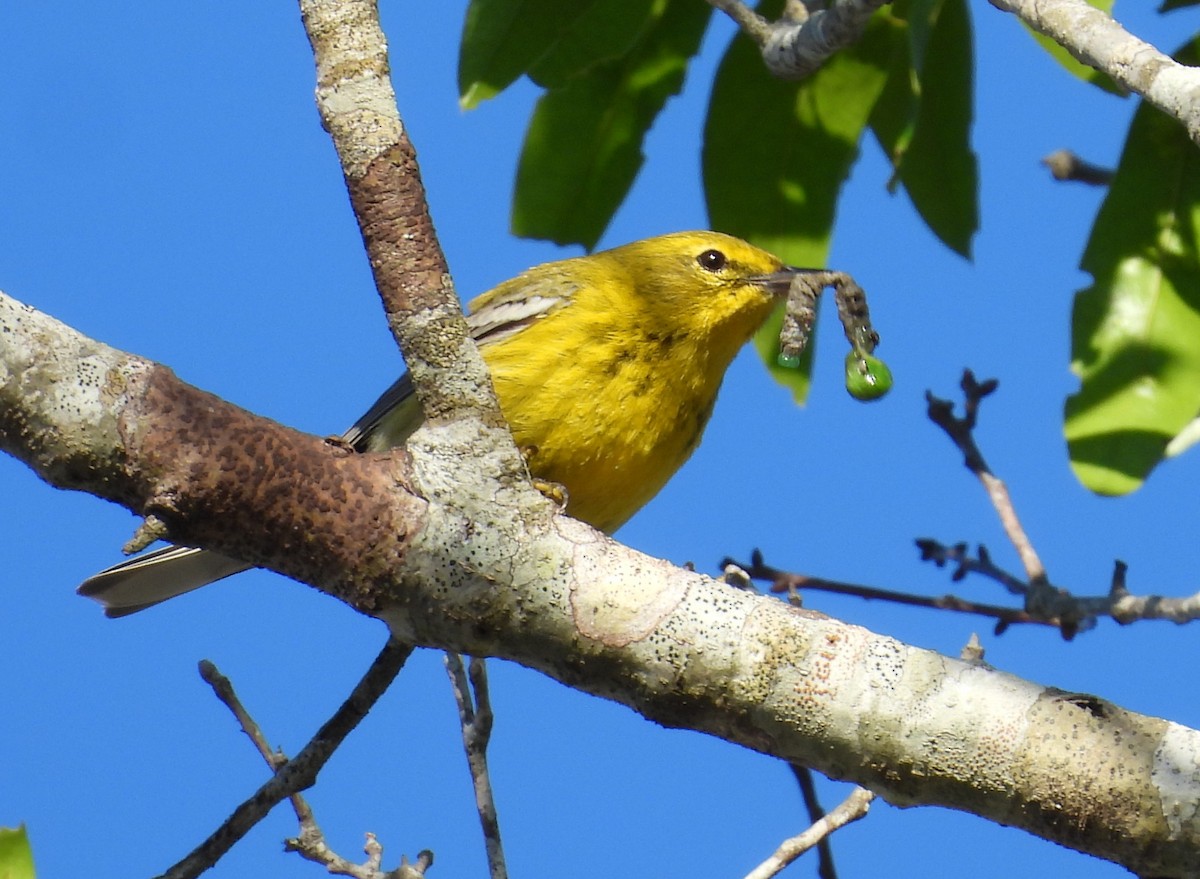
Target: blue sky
(165, 186)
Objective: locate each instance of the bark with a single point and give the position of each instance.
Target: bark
(499, 573)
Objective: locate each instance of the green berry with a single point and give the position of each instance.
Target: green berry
(867, 377)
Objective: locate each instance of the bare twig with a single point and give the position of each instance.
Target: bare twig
(752, 24)
(792, 584)
(1043, 601)
(965, 563)
(852, 808)
(808, 791)
(291, 776)
(1072, 614)
(311, 846)
(223, 688)
(475, 717)
(1065, 165)
(961, 433)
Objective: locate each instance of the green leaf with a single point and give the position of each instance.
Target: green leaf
(16, 856)
(777, 153)
(607, 30)
(923, 121)
(1136, 330)
(548, 39)
(583, 148)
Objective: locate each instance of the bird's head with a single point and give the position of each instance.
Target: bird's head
(706, 283)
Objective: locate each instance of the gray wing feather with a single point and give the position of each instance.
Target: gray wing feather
(144, 581)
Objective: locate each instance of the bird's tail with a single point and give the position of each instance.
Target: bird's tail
(144, 581)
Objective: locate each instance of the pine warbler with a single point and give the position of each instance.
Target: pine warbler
(606, 366)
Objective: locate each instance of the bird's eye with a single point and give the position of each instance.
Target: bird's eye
(713, 260)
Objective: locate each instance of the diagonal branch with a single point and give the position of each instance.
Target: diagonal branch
(1096, 39)
(358, 108)
(300, 772)
(851, 809)
(826, 869)
(962, 433)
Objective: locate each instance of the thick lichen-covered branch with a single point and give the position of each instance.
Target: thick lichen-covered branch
(87, 417)
(680, 648)
(1096, 39)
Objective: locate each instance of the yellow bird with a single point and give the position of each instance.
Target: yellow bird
(606, 366)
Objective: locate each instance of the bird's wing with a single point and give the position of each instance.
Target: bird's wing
(140, 582)
(515, 304)
(396, 412)
(494, 316)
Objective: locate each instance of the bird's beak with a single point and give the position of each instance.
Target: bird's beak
(777, 283)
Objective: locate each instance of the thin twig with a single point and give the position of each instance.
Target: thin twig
(275, 759)
(475, 717)
(300, 773)
(1044, 603)
(965, 563)
(808, 791)
(792, 584)
(1043, 600)
(752, 24)
(1066, 166)
(962, 433)
(852, 808)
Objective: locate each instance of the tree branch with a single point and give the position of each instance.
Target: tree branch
(686, 651)
(466, 571)
(475, 719)
(1066, 165)
(796, 45)
(751, 23)
(792, 584)
(1043, 600)
(472, 451)
(962, 433)
(358, 108)
(1092, 36)
(299, 773)
(808, 791)
(851, 809)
